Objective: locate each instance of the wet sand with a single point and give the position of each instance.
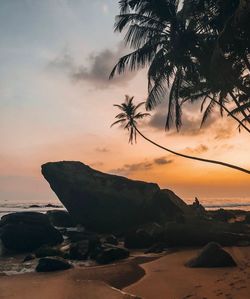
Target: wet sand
(162, 278)
(87, 283)
(168, 278)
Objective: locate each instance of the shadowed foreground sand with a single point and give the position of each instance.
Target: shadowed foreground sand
(165, 278)
(168, 278)
(78, 283)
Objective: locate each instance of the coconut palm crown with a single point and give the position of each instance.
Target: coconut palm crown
(129, 116)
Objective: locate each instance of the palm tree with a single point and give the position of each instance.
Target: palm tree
(192, 50)
(128, 118)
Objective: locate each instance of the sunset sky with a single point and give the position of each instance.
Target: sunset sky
(56, 104)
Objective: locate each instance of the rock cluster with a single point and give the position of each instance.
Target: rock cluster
(27, 231)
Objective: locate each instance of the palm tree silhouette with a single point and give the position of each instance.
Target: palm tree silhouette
(128, 118)
(187, 52)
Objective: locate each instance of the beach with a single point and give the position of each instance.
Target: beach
(162, 278)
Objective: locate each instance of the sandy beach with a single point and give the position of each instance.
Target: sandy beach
(169, 278)
(163, 278)
(88, 283)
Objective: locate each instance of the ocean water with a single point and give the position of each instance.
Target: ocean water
(7, 207)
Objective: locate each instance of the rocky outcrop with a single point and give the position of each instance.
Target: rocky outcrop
(60, 218)
(110, 253)
(109, 203)
(52, 264)
(212, 256)
(48, 251)
(79, 250)
(27, 231)
(144, 236)
(198, 232)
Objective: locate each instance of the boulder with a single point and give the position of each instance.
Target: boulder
(60, 218)
(156, 248)
(247, 218)
(109, 254)
(198, 232)
(110, 239)
(144, 236)
(29, 258)
(47, 251)
(198, 207)
(222, 215)
(52, 264)
(79, 250)
(27, 231)
(29, 218)
(212, 256)
(109, 203)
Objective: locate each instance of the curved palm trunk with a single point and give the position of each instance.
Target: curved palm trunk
(192, 157)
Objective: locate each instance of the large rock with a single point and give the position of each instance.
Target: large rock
(108, 203)
(31, 218)
(79, 250)
(48, 251)
(111, 253)
(26, 231)
(212, 256)
(60, 218)
(52, 264)
(144, 237)
(198, 232)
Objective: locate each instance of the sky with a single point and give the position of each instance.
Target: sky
(56, 103)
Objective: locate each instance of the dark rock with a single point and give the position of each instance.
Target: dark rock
(47, 251)
(52, 264)
(247, 218)
(34, 206)
(156, 248)
(110, 254)
(49, 205)
(60, 218)
(222, 215)
(27, 231)
(76, 236)
(198, 207)
(211, 256)
(109, 203)
(28, 258)
(144, 236)
(199, 233)
(110, 239)
(79, 250)
(32, 218)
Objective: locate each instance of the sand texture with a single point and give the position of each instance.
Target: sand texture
(168, 278)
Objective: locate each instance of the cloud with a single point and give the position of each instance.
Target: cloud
(102, 150)
(99, 68)
(63, 62)
(128, 169)
(162, 161)
(95, 70)
(196, 150)
(219, 128)
(190, 123)
(224, 133)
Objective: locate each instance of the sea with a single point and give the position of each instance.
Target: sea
(8, 206)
